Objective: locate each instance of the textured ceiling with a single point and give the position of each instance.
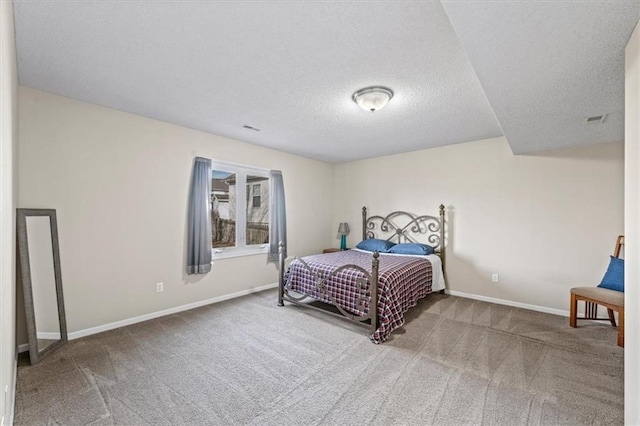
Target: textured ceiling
(547, 66)
(289, 68)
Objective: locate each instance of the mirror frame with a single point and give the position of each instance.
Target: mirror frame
(25, 272)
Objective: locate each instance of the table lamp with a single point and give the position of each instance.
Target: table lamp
(343, 231)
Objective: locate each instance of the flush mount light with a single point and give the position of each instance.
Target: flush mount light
(372, 98)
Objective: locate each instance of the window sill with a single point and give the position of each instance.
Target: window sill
(238, 253)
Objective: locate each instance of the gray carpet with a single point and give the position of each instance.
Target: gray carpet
(247, 361)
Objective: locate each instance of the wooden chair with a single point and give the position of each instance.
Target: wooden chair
(594, 296)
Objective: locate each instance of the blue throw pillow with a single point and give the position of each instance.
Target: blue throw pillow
(614, 277)
(412, 248)
(374, 244)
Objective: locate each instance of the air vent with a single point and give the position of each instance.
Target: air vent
(596, 119)
(255, 129)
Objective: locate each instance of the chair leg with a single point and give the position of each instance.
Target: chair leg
(621, 327)
(573, 311)
(612, 318)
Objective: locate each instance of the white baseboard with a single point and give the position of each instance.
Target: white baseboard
(509, 303)
(117, 324)
(48, 335)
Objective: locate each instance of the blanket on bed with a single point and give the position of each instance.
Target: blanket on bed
(403, 280)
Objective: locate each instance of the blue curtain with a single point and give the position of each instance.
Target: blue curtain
(199, 220)
(278, 216)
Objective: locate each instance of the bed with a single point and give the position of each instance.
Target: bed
(353, 281)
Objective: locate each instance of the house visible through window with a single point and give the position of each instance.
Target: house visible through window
(256, 196)
(234, 189)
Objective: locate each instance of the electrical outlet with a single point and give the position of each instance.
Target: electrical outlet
(159, 287)
(495, 278)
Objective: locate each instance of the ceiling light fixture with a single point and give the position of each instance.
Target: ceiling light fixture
(372, 98)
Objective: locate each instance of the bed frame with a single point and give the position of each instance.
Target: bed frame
(398, 227)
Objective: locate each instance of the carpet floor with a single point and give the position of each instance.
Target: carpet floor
(247, 361)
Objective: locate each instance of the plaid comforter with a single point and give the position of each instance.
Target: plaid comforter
(403, 280)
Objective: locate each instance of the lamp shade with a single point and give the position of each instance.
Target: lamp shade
(372, 98)
(343, 229)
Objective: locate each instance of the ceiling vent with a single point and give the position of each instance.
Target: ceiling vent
(596, 119)
(255, 129)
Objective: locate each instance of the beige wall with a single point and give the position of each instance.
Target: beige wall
(120, 184)
(544, 222)
(8, 202)
(632, 231)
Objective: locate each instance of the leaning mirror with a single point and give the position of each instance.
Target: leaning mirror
(39, 257)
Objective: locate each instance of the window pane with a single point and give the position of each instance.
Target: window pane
(223, 209)
(257, 210)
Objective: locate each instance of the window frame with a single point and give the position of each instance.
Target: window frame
(241, 202)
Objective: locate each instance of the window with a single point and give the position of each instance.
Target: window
(239, 210)
(256, 196)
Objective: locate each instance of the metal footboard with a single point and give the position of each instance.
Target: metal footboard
(368, 282)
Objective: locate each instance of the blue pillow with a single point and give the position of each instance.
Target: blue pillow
(614, 277)
(412, 248)
(374, 244)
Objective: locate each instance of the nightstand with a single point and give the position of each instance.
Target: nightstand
(331, 250)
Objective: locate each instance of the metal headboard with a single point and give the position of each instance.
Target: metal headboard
(402, 227)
